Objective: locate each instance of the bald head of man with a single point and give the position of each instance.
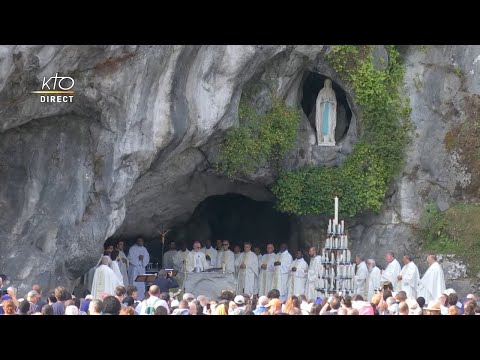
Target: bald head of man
(154, 290)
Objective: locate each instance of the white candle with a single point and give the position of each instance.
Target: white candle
(336, 209)
(336, 243)
(345, 256)
(329, 226)
(346, 241)
(348, 256)
(343, 227)
(332, 257)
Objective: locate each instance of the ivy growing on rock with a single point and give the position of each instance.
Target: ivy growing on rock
(362, 180)
(259, 140)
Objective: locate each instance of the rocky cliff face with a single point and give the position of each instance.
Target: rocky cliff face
(443, 85)
(134, 150)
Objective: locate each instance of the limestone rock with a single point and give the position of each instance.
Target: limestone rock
(135, 149)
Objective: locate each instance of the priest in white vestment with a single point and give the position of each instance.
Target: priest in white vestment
(432, 284)
(104, 280)
(114, 266)
(257, 252)
(122, 262)
(392, 270)
(169, 257)
(266, 271)
(409, 277)
(360, 278)
(247, 270)
(298, 276)
(210, 254)
(139, 258)
(226, 258)
(282, 268)
(180, 264)
(180, 259)
(236, 254)
(374, 275)
(88, 277)
(196, 259)
(313, 274)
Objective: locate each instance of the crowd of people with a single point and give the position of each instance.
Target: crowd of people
(268, 284)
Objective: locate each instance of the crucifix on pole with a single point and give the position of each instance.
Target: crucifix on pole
(162, 239)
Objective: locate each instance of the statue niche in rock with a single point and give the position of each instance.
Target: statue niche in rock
(326, 115)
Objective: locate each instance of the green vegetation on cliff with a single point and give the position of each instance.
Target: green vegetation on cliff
(362, 180)
(453, 231)
(259, 140)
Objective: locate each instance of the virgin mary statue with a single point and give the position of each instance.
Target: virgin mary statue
(326, 115)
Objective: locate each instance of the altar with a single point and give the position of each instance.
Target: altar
(210, 284)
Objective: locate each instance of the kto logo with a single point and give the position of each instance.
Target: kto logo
(56, 89)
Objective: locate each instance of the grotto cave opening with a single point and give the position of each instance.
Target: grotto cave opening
(313, 83)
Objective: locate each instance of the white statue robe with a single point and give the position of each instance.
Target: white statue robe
(280, 275)
(213, 256)
(179, 260)
(432, 284)
(246, 277)
(116, 270)
(227, 258)
(104, 281)
(391, 272)
(297, 279)
(312, 279)
(123, 267)
(374, 281)
(168, 259)
(326, 115)
(196, 259)
(360, 281)
(265, 276)
(138, 267)
(410, 279)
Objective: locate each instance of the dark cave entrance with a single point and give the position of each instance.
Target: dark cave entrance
(312, 85)
(235, 217)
